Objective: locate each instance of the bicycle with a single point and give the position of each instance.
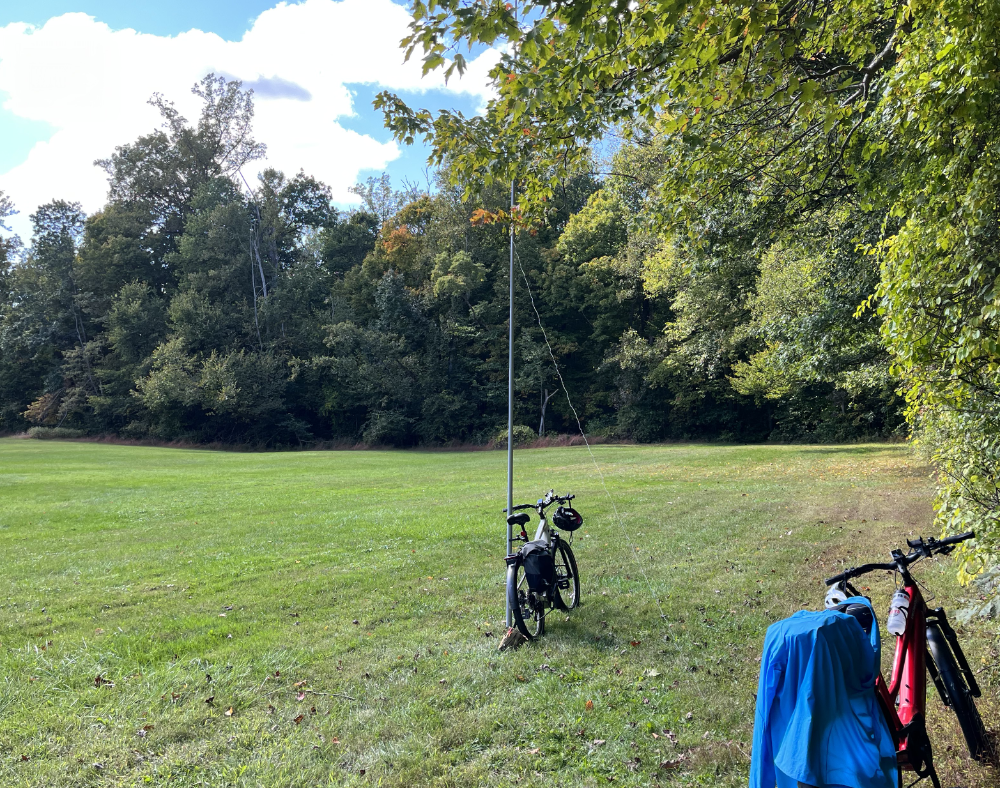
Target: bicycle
(543, 569)
(927, 640)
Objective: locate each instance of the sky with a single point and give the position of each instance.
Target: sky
(76, 76)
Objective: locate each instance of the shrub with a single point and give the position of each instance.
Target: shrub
(522, 436)
(54, 433)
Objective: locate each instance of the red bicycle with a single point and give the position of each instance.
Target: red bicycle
(927, 645)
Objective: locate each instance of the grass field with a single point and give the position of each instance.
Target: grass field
(192, 618)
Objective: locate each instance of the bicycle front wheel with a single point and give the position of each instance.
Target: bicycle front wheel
(527, 610)
(567, 577)
(959, 697)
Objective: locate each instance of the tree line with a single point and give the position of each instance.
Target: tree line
(195, 307)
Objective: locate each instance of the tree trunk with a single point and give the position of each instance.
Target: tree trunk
(545, 402)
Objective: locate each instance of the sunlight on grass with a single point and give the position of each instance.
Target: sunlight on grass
(180, 618)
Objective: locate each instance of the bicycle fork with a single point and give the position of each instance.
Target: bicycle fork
(939, 617)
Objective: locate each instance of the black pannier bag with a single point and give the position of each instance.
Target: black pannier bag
(539, 567)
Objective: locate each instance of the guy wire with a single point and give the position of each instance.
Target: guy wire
(579, 425)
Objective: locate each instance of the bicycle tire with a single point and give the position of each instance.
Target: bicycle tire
(569, 560)
(527, 617)
(959, 697)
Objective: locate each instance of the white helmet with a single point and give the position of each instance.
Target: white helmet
(837, 595)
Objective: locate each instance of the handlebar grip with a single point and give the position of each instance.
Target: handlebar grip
(835, 579)
(956, 539)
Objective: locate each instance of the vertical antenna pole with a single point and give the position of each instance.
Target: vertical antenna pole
(510, 399)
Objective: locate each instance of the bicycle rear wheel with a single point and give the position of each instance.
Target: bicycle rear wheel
(567, 577)
(959, 697)
(527, 610)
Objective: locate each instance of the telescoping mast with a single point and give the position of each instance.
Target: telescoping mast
(510, 399)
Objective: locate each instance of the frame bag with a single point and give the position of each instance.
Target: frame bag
(539, 567)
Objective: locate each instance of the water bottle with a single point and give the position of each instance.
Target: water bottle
(898, 608)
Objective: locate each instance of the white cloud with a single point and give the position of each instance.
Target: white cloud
(92, 83)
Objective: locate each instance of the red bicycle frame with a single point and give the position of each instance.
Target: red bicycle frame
(904, 700)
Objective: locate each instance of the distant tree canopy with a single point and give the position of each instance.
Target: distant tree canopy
(192, 307)
(822, 158)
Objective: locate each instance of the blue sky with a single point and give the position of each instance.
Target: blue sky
(74, 82)
(229, 18)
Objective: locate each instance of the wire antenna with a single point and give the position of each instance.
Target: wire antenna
(579, 425)
(255, 259)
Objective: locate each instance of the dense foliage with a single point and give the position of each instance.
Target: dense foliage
(836, 127)
(194, 308)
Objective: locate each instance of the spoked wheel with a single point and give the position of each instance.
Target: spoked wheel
(959, 697)
(527, 609)
(567, 577)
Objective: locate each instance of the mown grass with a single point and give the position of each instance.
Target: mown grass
(376, 579)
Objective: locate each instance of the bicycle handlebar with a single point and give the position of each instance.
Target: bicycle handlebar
(543, 503)
(922, 549)
(859, 570)
(551, 498)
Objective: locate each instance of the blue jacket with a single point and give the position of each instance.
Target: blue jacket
(818, 720)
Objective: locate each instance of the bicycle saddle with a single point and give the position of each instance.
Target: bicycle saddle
(519, 518)
(862, 613)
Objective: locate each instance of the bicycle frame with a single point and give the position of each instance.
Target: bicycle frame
(904, 699)
(543, 533)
